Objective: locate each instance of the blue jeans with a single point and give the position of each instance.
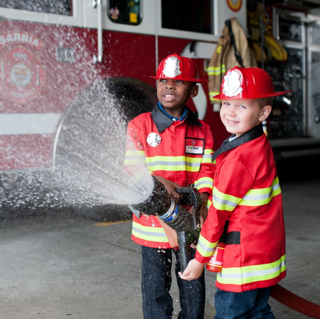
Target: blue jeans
(251, 304)
(156, 283)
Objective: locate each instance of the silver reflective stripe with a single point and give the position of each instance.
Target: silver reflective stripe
(262, 196)
(257, 197)
(223, 201)
(193, 164)
(257, 273)
(167, 163)
(136, 158)
(205, 248)
(147, 233)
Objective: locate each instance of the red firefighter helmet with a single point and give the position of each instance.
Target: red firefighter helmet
(178, 67)
(247, 83)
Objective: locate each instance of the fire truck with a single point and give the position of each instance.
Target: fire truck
(52, 50)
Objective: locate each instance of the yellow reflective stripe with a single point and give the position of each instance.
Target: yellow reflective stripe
(134, 157)
(207, 156)
(262, 196)
(223, 201)
(216, 70)
(254, 197)
(209, 203)
(173, 163)
(156, 234)
(211, 94)
(204, 182)
(205, 248)
(250, 274)
(135, 153)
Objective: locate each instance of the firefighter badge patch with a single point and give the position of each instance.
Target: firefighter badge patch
(154, 139)
(232, 84)
(172, 67)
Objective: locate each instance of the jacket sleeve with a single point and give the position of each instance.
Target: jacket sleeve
(234, 182)
(204, 179)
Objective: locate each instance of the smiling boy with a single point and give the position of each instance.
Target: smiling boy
(177, 148)
(246, 196)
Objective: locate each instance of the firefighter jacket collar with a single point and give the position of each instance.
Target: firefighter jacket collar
(182, 117)
(254, 133)
(162, 121)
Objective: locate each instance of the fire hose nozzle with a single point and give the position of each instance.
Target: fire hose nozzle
(175, 215)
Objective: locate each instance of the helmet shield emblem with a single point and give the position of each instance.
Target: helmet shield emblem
(232, 83)
(172, 67)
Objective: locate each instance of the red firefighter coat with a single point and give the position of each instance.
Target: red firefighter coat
(247, 194)
(179, 151)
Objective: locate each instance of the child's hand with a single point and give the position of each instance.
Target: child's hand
(193, 270)
(169, 186)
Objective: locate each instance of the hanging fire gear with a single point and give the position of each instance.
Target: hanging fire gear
(232, 50)
(264, 45)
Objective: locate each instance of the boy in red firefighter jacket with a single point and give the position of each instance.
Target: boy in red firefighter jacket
(247, 195)
(177, 148)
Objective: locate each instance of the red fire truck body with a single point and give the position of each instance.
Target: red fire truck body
(51, 52)
(47, 58)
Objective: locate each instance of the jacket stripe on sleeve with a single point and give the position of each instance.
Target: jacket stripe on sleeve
(154, 234)
(249, 274)
(205, 248)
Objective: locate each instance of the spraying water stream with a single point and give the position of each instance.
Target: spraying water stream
(89, 154)
(93, 159)
(89, 145)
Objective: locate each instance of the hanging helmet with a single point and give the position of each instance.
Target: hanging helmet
(178, 68)
(247, 83)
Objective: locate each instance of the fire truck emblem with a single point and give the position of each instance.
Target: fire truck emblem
(172, 67)
(232, 84)
(154, 139)
(22, 75)
(234, 5)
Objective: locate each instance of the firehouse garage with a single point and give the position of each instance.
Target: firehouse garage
(73, 73)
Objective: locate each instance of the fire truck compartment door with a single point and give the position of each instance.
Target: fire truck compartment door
(145, 23)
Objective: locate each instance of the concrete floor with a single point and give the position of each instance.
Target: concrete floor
(62, 265)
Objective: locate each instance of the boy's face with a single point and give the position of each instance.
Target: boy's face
(174, 94)
(241, 115)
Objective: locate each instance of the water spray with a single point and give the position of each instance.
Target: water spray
(186, 225)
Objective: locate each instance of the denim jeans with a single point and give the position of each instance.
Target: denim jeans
(156, 283)
(251, 304)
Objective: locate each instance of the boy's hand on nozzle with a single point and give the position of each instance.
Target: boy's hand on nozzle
(193, 270)
(170, 187)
